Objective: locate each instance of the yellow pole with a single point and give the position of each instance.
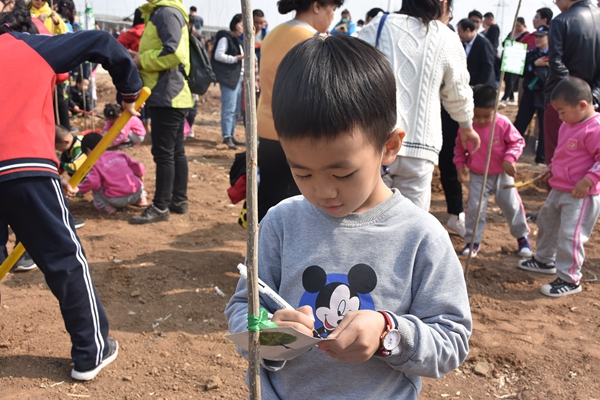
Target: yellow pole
(82, 171)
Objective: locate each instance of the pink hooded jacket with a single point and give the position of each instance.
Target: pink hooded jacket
(577, 155)
(116, 174)
(134, 125)
(508, 146)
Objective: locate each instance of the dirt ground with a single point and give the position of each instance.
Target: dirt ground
(160, 286)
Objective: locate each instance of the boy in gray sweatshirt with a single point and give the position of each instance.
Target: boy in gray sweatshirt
(361, 263)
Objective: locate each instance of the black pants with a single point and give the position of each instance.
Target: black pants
(63, 106)
(276, 181)
(526, 112)
(191, 114)
(169, 156)
(36, 209)
(511, 83)
(448, 176)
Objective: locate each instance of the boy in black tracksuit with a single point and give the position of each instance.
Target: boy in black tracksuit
(32, 198)
(534, 80)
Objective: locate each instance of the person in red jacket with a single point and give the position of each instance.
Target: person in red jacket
(32, 198)
(131, 38)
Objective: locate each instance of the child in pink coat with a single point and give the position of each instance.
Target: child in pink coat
(115, 179)
(569, 214)
(133, 133)
(507, 148)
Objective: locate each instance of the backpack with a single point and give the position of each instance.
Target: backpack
(201, 73)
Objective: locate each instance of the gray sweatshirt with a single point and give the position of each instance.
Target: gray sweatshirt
(393, 257)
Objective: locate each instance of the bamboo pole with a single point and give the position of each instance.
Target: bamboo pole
(487, 164)
(82, 171)
(251, 196)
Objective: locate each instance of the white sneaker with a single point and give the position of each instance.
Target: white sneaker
(456, 223)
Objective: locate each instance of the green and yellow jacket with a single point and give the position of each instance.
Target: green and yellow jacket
(164, 46)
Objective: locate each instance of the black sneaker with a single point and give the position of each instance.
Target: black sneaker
(78, 222)
(113, 351)
(237, 143)
(534, 265)
(151, 214)
(229, 142)
(179, 208)
(560, 288)
(24, 264)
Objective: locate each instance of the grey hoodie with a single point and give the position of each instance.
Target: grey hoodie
(393, 257)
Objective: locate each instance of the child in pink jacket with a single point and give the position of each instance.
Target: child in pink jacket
(133, 133)
(115, 179)
(569, 214)
(507, 148)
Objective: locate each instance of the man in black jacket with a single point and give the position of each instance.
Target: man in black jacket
(574, 51)
(480, 55)
(534, 79)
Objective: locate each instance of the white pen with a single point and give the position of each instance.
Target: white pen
(270, 293)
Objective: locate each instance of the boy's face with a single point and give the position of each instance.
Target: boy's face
(83, 86)
(483, 116)
(258, 23)
(541, 42)
(65, 144)
(539, 21)
(476, 21)
(341, 176)
(572, 115)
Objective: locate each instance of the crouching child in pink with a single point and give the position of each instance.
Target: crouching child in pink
(133, 133)
(116, 180)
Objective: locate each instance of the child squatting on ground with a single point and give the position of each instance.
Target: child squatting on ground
(507, 148)
(115, 179)
(359, 260)
(133, 133)
(68, 147)
(569, 214)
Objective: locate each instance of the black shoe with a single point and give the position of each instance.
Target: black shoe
(24, 264)
(113, 351)
(179, 208)
(237, 143)
(229, 142)
(534, 265)
(151, 214)
(531, 217)
(78, 222)
(559, 288)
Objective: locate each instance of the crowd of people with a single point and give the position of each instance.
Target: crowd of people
(339, 177)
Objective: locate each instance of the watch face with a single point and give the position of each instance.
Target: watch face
(391, 340)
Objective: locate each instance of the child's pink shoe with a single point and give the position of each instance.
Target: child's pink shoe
(143, 201)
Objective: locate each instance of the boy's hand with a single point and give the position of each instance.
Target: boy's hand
(76, 109)
(463, 174)
(358, 336)
(545, 175)
(131, 108)
(469, 135)
(582, 188)
(302, 319)
(509, 168)
(70, 192)
(541, 62)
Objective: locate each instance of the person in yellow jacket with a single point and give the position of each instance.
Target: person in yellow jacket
(41, 10)
(163, 58)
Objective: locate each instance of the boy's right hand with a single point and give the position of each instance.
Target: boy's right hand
(302, 319)
(545, 175)
(463, 174)
(131, 108)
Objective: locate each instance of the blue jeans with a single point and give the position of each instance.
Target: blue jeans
(231, 103)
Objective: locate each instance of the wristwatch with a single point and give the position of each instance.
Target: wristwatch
(390, 338)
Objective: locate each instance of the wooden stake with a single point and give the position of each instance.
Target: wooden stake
(487, 164)
(251, 195)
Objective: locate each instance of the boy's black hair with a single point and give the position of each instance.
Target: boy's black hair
(237, 18)
(484, 96)
(286, 6)
(90, 141)
(466, 24)
(79, 78)
(193, 8)
(60, 134)
(546, 13)
(112, 110)
(475, 13)
(258, 13)
(325, 88)
(372, 13)
(572, 90)
(488, 15)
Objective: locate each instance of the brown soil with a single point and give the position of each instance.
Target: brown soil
(158, 284)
